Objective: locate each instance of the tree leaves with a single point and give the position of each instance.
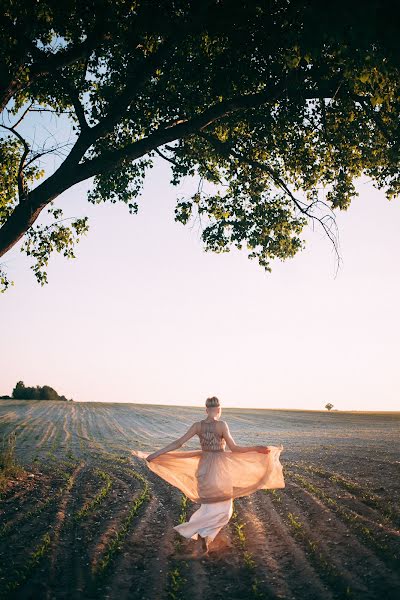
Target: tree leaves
(127, 76)
(41, 241)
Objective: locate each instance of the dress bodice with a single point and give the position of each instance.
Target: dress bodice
(210, 439)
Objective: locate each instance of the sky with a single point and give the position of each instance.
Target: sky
(145, 315)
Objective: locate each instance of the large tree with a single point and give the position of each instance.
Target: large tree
(266, 100)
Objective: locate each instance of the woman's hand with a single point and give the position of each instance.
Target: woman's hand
(263, 449)
(150, 457)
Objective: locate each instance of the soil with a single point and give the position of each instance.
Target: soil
(86, 519)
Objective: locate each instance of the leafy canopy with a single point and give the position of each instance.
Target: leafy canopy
(262, 100)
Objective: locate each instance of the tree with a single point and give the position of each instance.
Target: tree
(329, 406)
(19, 390)
(262, 100)
(48, 393)
(45, 392)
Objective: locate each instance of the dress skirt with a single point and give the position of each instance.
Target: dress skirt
(214, 479)
(207, 477)
(207, 520)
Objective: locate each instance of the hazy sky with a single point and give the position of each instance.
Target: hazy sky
(143, 314)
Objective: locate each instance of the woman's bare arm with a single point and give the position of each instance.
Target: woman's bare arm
(176, 444)
(234, 447)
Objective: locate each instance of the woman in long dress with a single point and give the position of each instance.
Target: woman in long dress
(214, 476)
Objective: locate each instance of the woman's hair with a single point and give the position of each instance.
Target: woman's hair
(212, 402)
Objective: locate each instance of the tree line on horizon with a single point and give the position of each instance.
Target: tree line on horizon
(38, 392)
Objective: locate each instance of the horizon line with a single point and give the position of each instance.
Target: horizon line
(324, 410)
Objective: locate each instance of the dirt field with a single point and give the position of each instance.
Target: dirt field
(88, 520)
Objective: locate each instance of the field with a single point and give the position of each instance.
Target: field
(86, 519)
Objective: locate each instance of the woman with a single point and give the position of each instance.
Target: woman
(213, 477)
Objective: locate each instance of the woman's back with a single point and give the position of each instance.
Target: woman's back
(210, 439)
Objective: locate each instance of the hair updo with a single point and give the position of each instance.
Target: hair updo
(212, 402)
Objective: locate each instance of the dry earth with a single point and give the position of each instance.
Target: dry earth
(88, 520)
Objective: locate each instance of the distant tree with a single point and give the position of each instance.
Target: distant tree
(262, 100)
(329, 406)
(48, 393)
(20, 392)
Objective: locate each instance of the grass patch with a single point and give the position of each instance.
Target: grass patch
(90, 505)
(248, 560)
(9, 467)
(184, 506)
(175, 582)
(353, 520)
(175, 577)
(116, 543)
(387, 508)
(23, 574)
(329, 571)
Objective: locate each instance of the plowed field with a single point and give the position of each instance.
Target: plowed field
(89, 520)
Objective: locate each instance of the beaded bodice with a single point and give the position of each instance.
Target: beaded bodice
(210, 439)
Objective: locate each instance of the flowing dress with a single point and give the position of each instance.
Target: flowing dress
(214, 476)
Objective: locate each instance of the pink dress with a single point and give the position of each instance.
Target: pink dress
(213, 477)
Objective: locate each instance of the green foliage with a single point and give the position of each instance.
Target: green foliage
(9, 466)
(45, 392)
(116, 543)
(9, 159)
(91, 505)
(5, 282)
(40, 241)
(10, 156)
(7, 452)
(133, 80)
(121, 185)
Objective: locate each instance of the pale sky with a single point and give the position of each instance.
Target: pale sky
(144, 314)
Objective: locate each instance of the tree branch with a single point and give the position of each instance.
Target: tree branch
(171, 160)
(72, 171)
(226, 150)
(76, 103)
(365, 104)
(44, 62)
(20, 179)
